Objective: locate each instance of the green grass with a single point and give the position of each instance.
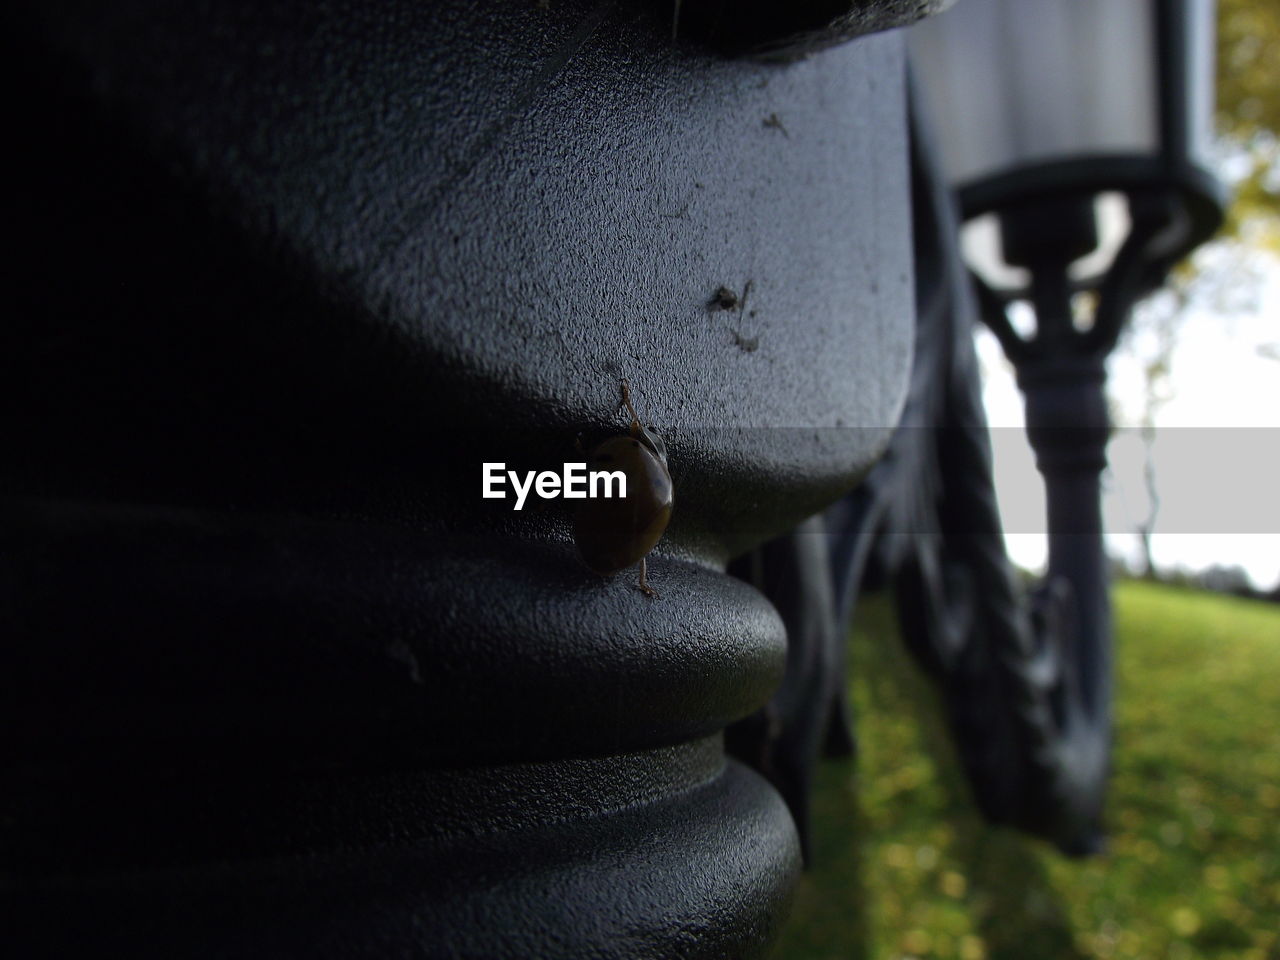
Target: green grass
(905, 867)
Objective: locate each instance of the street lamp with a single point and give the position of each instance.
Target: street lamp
(1082, 129)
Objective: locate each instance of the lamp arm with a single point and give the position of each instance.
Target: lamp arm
(993, 312)
(1161, 229)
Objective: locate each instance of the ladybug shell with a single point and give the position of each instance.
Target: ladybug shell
(614, 533)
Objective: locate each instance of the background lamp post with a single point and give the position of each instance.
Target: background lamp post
(1082, 128)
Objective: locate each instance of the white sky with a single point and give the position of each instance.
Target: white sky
(1217, 449)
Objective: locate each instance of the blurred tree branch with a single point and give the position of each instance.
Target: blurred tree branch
(1248, 117)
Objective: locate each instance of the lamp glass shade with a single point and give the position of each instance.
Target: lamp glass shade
(1009, 84)
(1034, 101)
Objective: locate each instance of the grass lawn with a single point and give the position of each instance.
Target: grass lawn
(905, 867)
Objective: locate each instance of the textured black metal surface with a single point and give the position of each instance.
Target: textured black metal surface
(305, 642)
(662, 878)
(276, 679)
(786, 30)
(322, 230)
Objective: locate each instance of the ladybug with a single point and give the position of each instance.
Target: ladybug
(612, 534)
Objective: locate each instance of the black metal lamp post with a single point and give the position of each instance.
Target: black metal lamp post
(1046, 112)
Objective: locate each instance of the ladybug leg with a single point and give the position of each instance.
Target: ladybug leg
(647, 590)
(626, 401)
